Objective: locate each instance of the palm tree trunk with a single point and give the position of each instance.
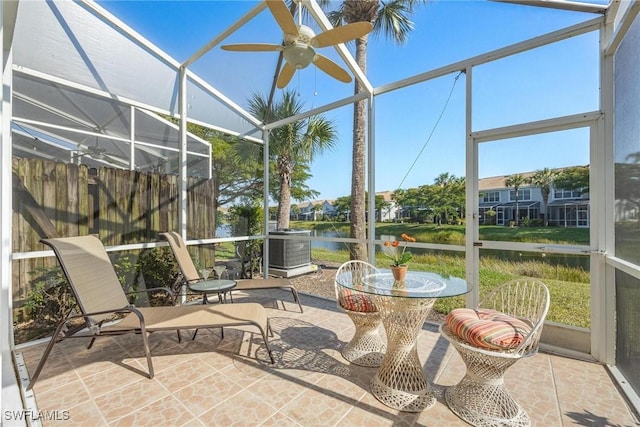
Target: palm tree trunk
(359, 155)
(284, 204)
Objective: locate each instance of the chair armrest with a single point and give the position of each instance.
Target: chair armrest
(161, 288)
(92, 328)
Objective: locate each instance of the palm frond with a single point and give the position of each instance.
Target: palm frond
(393, 21)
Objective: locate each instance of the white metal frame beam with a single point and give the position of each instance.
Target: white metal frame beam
(573, 6)
(129, 32)
(545, 39)
(10, 395)
(226, 33)
(614, 39)
(342, 50)
(222, 98)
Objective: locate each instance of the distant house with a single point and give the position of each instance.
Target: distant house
(314, 211)
(391, 211)
(497, 204)
(318, 209)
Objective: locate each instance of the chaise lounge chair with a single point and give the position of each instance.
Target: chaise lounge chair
(101, 299)
(190, 273)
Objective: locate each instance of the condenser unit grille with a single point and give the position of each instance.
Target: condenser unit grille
(289, 253)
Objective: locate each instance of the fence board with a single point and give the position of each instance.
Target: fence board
(85, 203)
(121, 206)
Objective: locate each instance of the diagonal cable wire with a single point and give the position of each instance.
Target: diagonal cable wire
(435, 126)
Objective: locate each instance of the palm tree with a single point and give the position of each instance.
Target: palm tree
(516, 181)
(443, 179)
(292, 146)
(543, 179)
(390, 19)
(317, 208)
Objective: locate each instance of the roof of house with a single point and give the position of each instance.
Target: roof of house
(498, 182)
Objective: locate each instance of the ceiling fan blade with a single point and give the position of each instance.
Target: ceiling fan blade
(253, 47)
(285, 75)
(283, 17)
(341, 34)
(116, 160)
(331, 68)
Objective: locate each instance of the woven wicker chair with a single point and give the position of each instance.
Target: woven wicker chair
(104, 307)
(190, 273)
(481, 397)
(366, 348)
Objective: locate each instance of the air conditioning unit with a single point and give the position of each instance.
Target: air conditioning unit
(289, 253)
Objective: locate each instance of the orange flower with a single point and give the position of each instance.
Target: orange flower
(398, 257)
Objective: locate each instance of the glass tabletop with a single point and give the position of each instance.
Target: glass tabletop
(417, 284)
(212, 285)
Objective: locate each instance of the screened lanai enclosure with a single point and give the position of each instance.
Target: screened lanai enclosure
(128, 132)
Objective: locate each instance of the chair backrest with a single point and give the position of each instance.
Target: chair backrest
(526, 299)
(90, 274)
(180, 252)
(352, 272)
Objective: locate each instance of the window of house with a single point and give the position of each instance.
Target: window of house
(490, 196)
(523, 194)
(566, 194)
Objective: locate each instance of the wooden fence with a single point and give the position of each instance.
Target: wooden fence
(53, 199)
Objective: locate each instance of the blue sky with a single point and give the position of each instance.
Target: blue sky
(422, 124)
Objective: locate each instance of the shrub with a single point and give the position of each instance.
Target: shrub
(158, 268)
(50, 300)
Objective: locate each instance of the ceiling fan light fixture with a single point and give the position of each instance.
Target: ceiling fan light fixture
(300, 42)
(299, 55)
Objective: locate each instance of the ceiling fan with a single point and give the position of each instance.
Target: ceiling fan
(300, 43)
(100, 154)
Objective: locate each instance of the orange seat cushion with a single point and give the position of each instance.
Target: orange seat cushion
(356, 301)
(487, 328)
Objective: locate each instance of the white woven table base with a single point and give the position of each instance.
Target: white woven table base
(481, 397)
(400, 382)
(366, 348)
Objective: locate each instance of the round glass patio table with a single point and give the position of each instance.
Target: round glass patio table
(400, 381)
(218, 286)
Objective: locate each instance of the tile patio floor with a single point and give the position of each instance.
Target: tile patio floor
(224, 382)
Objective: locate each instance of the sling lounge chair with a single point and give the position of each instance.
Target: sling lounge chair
(190, 273)
(101, 299)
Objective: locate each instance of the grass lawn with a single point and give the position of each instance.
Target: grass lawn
(454, 234)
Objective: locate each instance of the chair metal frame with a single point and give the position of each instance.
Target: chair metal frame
(189, 273)
(106, 311)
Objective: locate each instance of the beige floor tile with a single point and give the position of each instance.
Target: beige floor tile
(280, 420)
(55, 373)
(129, 399)
(81, 415)
(112, 379)
(222, 382)
(167, 411)
(279, 391)
(63, 397)
(208, 392)
(319, 406)
(242, 409)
